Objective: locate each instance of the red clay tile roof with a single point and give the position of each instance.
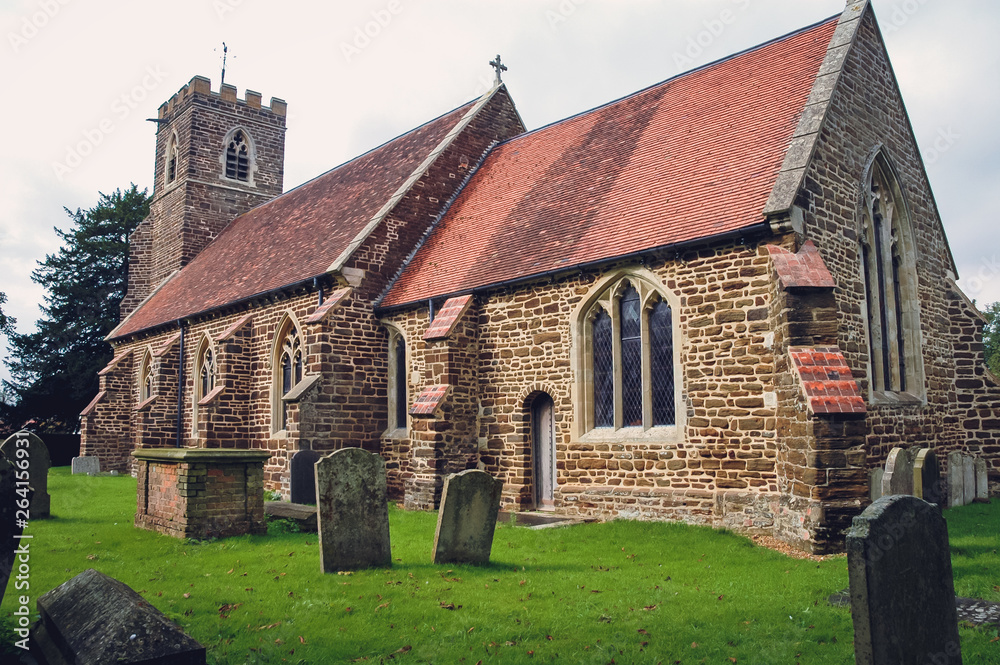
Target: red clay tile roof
(429, 400)
(804, 268)
(826, 380)
(297, 235)
(447, 317)
(689, 158)
(332, 301)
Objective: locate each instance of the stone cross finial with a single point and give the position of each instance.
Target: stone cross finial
(499, 66)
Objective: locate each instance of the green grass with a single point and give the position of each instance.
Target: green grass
(623, 592)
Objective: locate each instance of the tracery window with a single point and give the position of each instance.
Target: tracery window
(171, 160)
(631, 358)
(890, 285)
(288, 367)
(146, 379)
(238, 156)
(208, 373)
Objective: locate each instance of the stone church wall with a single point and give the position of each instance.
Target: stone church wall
(960, 413)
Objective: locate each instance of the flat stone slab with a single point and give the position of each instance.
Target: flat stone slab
(87, 465)
(533, 520)
(94, 618)
(976, 611)
(304, 516)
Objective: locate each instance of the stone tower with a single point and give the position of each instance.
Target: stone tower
(216, 157)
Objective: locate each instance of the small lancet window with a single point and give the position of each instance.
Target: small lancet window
(171, 166)
(146, 380)
(238, 157)
(208, 373)
(399, 377)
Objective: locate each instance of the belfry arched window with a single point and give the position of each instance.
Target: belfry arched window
(629, 358)
(170, 170)
(288, 368)
(888, 264)
(239, 156)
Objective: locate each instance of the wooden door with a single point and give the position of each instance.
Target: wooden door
(543, 451)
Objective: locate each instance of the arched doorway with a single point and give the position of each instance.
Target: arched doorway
(543, 451)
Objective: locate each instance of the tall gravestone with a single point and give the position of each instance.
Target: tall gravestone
(875, 483)
(467, 518)
(86, 464)
(927, 483)
(11, 525)
(303, 476)
(898, 478)
(956, 479)
(353, 510)
(25, 449)
(902, 592)
(982, 479)
(969, 479)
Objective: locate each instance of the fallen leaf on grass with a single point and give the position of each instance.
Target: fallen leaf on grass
(471, 629)
(450, 606)
(650, 608)
(91, 556)
(187, 595)
(279, 641)
(226, 609)
(269, 626)
(348, 609)
(302, 640)
(642, 631)
(694, 645)
(230, 571)
(548, 637)
(382, 607)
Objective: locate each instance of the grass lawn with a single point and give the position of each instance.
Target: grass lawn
(622, 592)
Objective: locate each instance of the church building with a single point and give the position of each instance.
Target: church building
(722, 299)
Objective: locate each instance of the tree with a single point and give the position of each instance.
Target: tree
(6, 322)
(991, 337)
(54, 370)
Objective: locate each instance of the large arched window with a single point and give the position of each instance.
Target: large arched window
(146, 378)
(288, 366)
(206, 377)
(888, 264)
(239, 156)
(628, 359)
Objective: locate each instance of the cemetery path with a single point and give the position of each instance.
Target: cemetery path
(975, 611)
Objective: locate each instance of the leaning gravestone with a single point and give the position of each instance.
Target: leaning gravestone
(94, 618)
(11, 525)
(898, 478)
(88, 465)
(303, 474)
(956, 479)
(969, 479)
(902, 592)
(353, 510)
(982, 480)
(927, 477)
(467, 518)
(29, 453)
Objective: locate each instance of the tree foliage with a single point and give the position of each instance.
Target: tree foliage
(6, 322)
(991, 337)
(54, 369)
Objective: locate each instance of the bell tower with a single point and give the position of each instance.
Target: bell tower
(217, 157)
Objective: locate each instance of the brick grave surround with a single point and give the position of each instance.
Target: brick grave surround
(200, 493)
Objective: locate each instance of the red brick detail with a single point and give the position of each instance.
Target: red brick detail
(146, 405)
(167, 345)
(93, 404)
(626, 177)
(827, 381)
(231, 330)
(115, 362)
(429, 400)
(335, 299)
(210, 397)
(447, 317)
(805, 268)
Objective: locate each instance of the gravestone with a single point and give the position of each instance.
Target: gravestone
(898, 478)
(902, 592)
(29, 453)
(875, 483)
(927, 477)
(88, 465)
(982, 480)
(467, 518)
(969, 479)
(94, 618)
(956, 480)
(353, 511)
(10, 527)
(303, 476)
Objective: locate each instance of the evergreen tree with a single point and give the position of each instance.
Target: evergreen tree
(6, 322)
(991, 337)
(54, 370)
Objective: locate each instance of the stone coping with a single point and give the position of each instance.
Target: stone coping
(224, 455)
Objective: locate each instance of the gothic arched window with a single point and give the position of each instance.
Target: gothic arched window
(288, 368)
(398, 400)
(887, 252)
(146, 378)
(207, 372)
(170, 172)
(630, 360)
(238, 157)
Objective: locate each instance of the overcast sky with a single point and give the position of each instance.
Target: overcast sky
(80, 77)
